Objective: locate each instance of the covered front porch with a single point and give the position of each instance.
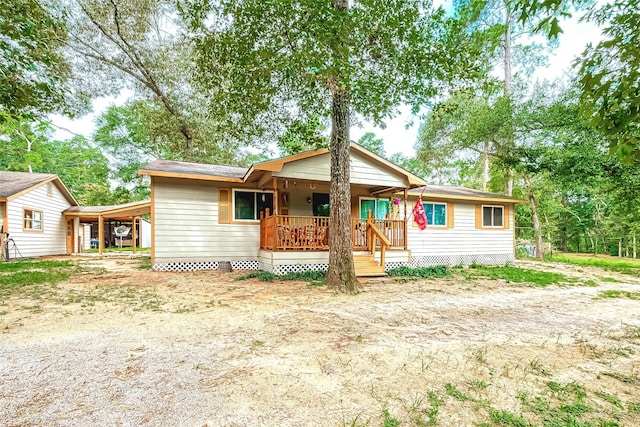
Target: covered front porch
(311, 233)
(287, 241)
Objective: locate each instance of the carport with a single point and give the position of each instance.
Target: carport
(100, 214)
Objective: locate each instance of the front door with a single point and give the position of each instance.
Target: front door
(70, 235)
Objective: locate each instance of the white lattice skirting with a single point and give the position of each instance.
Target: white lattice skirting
(431, 260)
(204, 265)
(416, 262)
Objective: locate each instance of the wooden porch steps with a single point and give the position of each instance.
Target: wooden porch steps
(367, 266)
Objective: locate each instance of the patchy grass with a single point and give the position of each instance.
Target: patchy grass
(521, 275)
(116, 249)
(424, 272)
(28, 277)
(145, 263)
(44, 265)
(624, 266)
(613, 293)
(314, 278)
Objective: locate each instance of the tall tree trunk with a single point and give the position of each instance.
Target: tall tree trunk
(536, 225)
(564, 238)
(634, 244)
(507, 49)
(341, 274)
(485, 166)
(511, 173)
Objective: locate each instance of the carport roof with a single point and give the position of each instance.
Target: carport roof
(114, 211)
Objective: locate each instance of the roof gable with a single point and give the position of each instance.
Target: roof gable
(199, 171)
(13, 184)
(461, 193)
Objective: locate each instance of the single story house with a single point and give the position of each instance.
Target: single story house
(273, 216)
(31, 207)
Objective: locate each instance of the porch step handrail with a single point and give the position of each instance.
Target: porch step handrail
(375, 233)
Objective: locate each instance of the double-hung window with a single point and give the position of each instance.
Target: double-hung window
(32, 219)
(247, 204)
(379, 208)
(493, 216)
(436, 213)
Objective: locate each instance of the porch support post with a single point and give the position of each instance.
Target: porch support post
(406, 222)
(133, 233)
(100, 234)
(276, 208)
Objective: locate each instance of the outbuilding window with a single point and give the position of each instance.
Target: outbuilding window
(32, 219)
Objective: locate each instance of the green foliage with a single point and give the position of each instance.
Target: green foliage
(373, 144)
(609, 75)
(32, 67)
(424, 272)
(303, 135)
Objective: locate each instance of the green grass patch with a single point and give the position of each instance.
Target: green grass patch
(25, 277)
(612, 293)
(145, 263)
(506, 418)
(8, 267)
(454, 392)
(263, 276)
(116, 249)
(625, 266)
(315, 278)
(424, 272)
(628, 379)
(610, 280)
(519, 275)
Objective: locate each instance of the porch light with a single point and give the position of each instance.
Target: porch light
(308, 199)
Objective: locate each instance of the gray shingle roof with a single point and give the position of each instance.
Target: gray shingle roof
(195, 168)
(14, 182)
(451, 190)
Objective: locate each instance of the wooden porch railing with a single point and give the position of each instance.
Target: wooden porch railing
(285, 232)
(392, 229)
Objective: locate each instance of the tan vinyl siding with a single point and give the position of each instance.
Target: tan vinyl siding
(318, 168)
(365, 172)
(52, 240)
(463, 238)
(187, 228)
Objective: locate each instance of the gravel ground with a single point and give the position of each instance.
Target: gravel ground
(127, 347)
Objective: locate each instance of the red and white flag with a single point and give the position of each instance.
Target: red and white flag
(418, 214)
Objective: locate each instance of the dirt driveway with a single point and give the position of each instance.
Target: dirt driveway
(128, 347)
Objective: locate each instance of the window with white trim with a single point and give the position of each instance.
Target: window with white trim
(379, 208)
(436, 213)
(493, 216)
(32, 219)
(247, 204)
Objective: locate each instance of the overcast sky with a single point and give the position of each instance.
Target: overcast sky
(397, 137)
